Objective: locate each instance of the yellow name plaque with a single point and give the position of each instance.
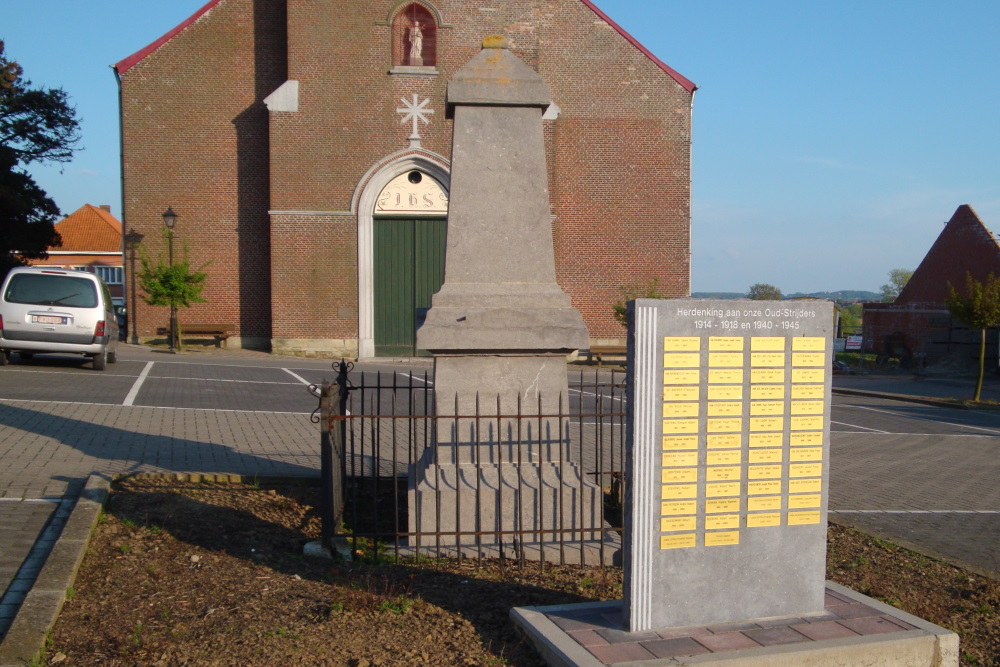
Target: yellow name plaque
(765, 439)
(715, 505)
(725, 343)
(717, 521)
(808, 344)
(670, 475)
(721, 489)
(766, 456)
(725, 375)
(807, 375)
(723, 440)
(681, 377)
(680, 458)
(767, 375)
(725, 359)
(758, 503)
(767, 359)
(680, 409)
(722, 539)
(802, 518)
(679, 491)
(679, 507)
(680, 393)
(724, 408)
(767, 423)
(724, 424)
(808, 359)
(805, 470)
(805, 454)
(807, 391)
(803, 501)
(725, 392)
(677, 541)
(764, 488)
(680, 426)
(763, 519)
(681, 343)
(806, 423)
(763, 472)
(767, 407)
(805, 485)
(681, 360)
(673, 523)
(805, 438)
(767, 391)
(723, 473)
(807, 407)
(767, 344)
(723, 457)
(680, 442)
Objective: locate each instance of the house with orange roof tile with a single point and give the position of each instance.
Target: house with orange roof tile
(91, 241)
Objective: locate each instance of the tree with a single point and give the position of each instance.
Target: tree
(764, 292)
(36, 125)
(977, 308)
(650, 291)
(850, 318)
(177, 285)
(897, 281)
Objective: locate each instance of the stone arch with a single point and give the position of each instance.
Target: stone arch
(365, 197)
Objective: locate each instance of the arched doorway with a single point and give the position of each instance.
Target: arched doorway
(402, 216)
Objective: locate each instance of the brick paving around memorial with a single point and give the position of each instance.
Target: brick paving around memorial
(597, 629)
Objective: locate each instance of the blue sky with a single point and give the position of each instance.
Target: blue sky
(831, 139)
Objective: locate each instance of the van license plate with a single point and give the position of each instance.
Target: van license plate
(48, 319)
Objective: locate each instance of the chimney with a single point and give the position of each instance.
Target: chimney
(106, 207)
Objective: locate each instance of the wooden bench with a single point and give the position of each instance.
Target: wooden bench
(600, 350)
(220, 332)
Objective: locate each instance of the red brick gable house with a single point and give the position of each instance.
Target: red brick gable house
(91, 241)
(305, 147)
(917, 323)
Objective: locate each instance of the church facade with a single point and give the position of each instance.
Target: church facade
(305, 147)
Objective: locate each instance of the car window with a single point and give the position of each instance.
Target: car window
(51, 290)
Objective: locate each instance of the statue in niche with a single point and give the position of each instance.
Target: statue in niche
(416, 45)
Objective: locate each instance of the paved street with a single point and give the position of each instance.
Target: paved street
(922, 474)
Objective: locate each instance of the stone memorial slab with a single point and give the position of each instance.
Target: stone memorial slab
(727, 460)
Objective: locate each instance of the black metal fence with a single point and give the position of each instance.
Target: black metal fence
(379, 437)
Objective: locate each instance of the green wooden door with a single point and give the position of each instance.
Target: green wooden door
(409, 269)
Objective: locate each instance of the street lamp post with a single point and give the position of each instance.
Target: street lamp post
(170, 219)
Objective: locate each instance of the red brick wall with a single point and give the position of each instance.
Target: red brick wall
(195, 138)
(618, 156)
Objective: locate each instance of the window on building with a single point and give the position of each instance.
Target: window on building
(112, 275)
(414, 37)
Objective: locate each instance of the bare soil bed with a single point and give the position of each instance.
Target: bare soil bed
(185, 573)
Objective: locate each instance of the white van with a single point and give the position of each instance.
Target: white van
(57, 311)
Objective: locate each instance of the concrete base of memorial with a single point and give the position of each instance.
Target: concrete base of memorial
(852, 630)
(529, 506)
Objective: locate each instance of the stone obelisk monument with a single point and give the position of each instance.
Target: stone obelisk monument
(500, 328)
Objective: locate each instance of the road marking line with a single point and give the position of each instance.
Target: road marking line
(429, 383)
(297, 377)
(137, 385)
(914, 511)
(927, 419)
(152, 407)
(875, 430)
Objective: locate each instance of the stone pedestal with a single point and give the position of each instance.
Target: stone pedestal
(500, 328)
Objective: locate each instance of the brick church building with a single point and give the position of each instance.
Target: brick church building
(305, 148)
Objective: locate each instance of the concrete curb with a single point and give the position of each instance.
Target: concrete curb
(25, 639)
(922, 400)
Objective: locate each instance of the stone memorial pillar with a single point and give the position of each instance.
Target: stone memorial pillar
(500, 328)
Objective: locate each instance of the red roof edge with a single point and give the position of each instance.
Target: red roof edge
(685, 83)
(126, 64)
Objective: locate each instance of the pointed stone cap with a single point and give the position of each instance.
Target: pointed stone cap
(496, 77)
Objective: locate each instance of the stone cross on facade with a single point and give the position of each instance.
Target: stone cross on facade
(415, 112)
